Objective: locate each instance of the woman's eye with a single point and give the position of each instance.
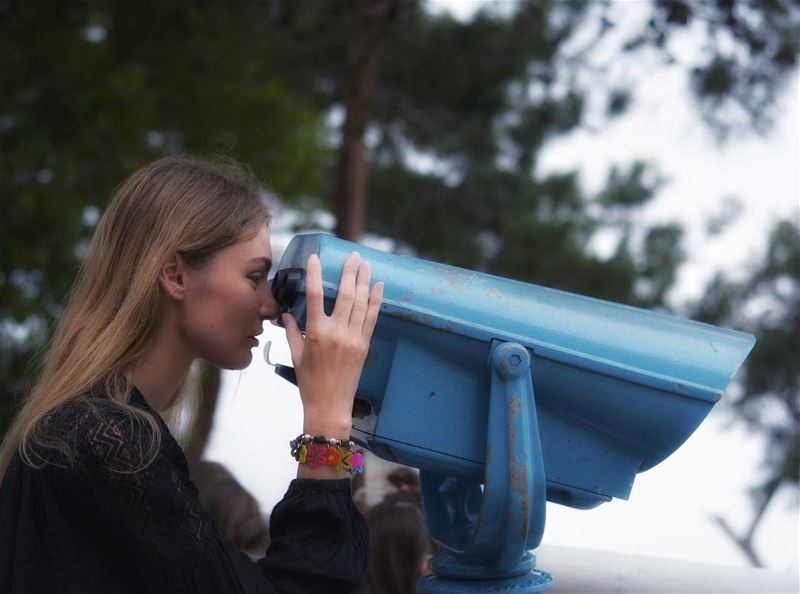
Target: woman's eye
(256, 278)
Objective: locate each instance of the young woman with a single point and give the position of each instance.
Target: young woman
(95, 494)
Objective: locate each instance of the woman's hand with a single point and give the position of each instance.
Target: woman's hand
(329, 359)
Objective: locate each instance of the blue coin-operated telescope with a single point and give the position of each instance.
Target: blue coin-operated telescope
(506, 394)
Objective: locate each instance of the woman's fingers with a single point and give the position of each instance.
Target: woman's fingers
(356, 307)
(314, 305)
(360, 304)
(347, 288)
(371, 318)
(294, 337)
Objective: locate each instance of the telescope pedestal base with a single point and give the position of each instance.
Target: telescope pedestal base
(534, 582)
(487, 530)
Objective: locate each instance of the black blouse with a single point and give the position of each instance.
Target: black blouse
(95, 523)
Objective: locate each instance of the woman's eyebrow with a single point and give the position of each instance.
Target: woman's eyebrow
(265, 261)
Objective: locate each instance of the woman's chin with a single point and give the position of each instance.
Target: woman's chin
(237, 364)
(245, 361)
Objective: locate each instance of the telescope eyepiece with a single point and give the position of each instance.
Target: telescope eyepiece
(286, 284)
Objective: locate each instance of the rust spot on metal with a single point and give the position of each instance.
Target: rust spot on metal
(409, 297)
(518, 468)
(496, 295)
(455, 278)
(410, 316)
(416, 317)
(455, 283)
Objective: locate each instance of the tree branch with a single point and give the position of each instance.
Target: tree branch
(745, 542)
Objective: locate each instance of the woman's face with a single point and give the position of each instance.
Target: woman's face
(226, 301)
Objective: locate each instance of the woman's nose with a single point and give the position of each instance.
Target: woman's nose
(270, 308)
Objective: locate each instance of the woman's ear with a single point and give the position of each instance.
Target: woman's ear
(171, 277)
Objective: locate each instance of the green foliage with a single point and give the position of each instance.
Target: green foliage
(618, 102)
(630, 188)
(751, 52)
(729, 211)
(90, 91)
(462, 112)
(767, 304)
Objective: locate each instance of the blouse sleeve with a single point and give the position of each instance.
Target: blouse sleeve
(319, 541)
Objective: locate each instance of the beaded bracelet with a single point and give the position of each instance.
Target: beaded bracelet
(318, 450)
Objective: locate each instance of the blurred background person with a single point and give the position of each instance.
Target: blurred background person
(235, 511)
(400, 549)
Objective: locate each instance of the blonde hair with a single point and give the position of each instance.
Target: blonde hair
(176, 204)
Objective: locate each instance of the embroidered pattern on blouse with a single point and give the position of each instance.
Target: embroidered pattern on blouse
(159, 501)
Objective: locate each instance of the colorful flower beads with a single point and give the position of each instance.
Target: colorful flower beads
(316, 451)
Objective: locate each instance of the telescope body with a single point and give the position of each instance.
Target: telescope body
(505, 394)
(617, 388)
